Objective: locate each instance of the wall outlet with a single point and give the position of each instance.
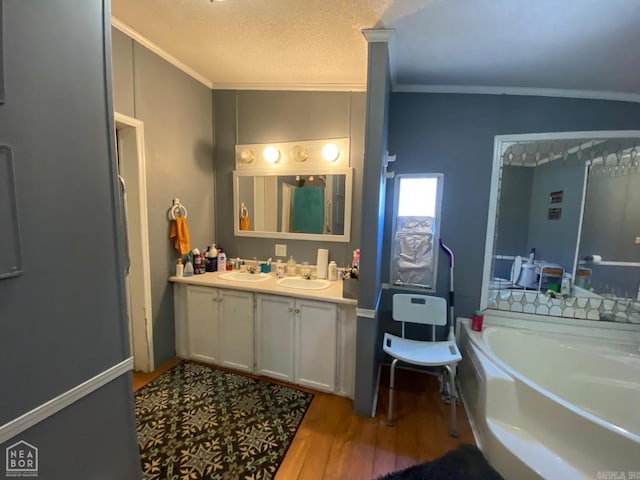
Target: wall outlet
(281, 250)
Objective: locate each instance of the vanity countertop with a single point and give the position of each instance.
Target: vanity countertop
(212, 279)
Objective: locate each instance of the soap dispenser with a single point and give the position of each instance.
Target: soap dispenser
(291, 267)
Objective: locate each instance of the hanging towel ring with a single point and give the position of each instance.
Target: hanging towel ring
(177, 209)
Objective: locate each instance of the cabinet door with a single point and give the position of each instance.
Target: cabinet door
(316, 344)
(274, 336)
(236, 330)
(203, 324)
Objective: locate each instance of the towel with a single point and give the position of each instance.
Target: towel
(179, 235)
(308, 210)
(244, 218)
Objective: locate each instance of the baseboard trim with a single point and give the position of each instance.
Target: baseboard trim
(365, 313)
(53, 406)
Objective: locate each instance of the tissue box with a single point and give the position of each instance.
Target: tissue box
(350, 288)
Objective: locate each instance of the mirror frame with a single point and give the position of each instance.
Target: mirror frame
(501, 142)
(346, 237)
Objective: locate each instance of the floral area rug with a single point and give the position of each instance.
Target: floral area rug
(195, 422)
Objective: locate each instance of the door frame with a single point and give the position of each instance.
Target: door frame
(133, 170)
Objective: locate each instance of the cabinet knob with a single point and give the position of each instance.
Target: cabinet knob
(290, 309)
(297, 310)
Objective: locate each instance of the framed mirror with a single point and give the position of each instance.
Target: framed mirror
(308, 205)
(563, 234)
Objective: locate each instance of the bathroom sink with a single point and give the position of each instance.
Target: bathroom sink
(245, 276)
(303, 283)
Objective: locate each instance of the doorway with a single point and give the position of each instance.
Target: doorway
(131, 169)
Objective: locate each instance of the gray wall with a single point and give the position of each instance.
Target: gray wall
(610, 225)
(269, 116)
(177, 116)
(513, 216)
(523, 212)
(63, 320)
(556, 240)
(611, 217)
(373, 200)
(454, 135)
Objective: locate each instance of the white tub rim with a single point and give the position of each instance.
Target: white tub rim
(478, 341)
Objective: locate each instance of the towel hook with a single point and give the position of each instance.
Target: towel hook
(175, 209)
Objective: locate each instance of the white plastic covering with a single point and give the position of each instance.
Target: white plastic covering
(413, 252)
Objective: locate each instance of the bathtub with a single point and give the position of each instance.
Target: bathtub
(551, 405)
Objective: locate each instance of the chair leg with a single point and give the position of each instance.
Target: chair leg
(391, 392)
(451, 369)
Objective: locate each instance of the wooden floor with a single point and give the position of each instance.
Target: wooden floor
(334, 443)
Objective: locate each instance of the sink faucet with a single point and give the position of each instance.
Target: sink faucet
(307, 275)
(251, 269)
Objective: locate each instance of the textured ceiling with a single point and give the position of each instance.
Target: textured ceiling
(553, 44)
(260, 41)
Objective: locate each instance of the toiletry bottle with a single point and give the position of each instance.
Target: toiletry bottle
(179, 268)
(197, 262)
(356, 258)
(188, 269)
(532, 256)
(333, 271)
(279, 269)
(565, 288)
(291, 267)
(476, 321)
(222, 259)
(212, 263)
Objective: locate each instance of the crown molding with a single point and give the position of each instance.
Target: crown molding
(523, 91)
(145, 42)
(378, 34)
(302, 87)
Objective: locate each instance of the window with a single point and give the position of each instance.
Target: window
(416, 225)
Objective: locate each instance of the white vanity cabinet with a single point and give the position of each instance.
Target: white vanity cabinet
(316, 344)
(275, 324)
(203, 313)
(236, 329)
(297, 340)
(220, 327)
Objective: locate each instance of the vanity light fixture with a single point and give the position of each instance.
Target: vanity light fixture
(247, 156)
(330, 152)
(299, 153)
(271, 154)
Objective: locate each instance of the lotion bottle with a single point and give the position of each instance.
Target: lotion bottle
(333, 271)
(222, 260)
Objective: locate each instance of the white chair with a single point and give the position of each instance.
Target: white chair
(432, 311)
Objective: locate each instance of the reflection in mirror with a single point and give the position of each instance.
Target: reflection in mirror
(566, 226)
(313, 206)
